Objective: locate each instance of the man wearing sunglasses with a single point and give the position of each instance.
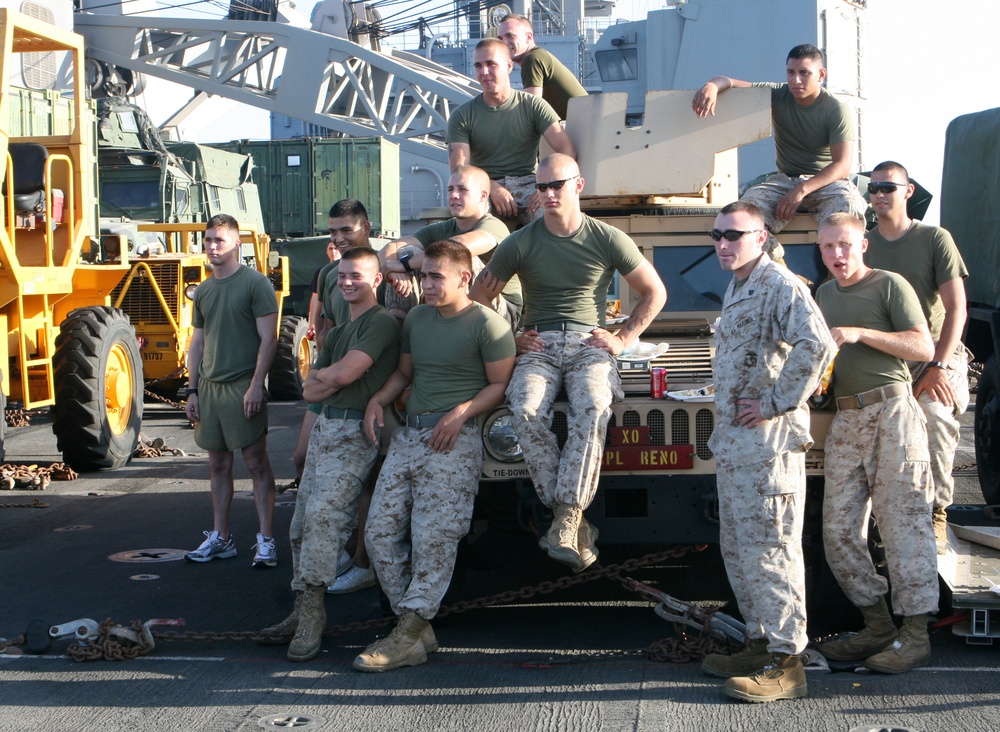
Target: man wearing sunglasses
(565, 261)
(499, 131)
(928, 259)
(813, 143)
(772, 346)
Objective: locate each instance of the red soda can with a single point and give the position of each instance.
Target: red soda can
(657, 382)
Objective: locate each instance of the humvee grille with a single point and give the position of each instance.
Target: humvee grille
(655, 416)
(140, 301)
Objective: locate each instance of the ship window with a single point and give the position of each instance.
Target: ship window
(621, 64)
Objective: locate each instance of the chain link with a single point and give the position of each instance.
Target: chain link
(147, 448)
(17, 417)
(33, 477)
(109, 647)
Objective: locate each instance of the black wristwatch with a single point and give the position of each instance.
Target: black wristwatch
(938, 364)
(192, 390)
(405, 261)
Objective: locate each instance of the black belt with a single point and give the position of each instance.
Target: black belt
(425, 421)
(331, 413)
(873, 396)
(563, 325)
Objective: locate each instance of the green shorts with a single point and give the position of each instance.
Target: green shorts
(223, 426)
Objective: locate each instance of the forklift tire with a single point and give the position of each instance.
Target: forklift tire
(292, 360)
(98, 376)
(987, 431)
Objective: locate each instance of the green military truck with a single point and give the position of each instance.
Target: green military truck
(970, 190)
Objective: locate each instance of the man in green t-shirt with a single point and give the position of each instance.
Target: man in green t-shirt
(929, 260)
(542, 74)
(876, 457)
(456, 356)
(472, 226)
(499, 131)
(232, 349)
(565, 262)
(357, 358)
(813, 143)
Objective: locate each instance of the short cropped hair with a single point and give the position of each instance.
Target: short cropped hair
(348, 207)
(223, 221)
(450, 251)
(842, 218)
(748, 207)
(361, 254)
(806, 50)
(494, 43)
(891, 166)
(523, 19)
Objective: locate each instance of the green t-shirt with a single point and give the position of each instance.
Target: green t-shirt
(376, 333)
(502, 140)
(441, 230)
(227, 311)
(927, 257)
(881, 301)
(565, 277)
(803, 135)
(448, 354)
(541, 68)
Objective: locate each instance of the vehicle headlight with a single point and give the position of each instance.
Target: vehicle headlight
(189, 291)
(500, 439)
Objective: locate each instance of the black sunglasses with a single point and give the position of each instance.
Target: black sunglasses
(886, 187)
(555, 185)
(730, 234)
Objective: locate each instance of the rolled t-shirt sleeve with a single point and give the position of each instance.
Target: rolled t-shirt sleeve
(458, 127)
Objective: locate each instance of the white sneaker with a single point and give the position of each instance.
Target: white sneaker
(356, 578)
(266, 554)
(345, 562)
(214, 547)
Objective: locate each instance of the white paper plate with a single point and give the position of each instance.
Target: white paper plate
(644, 351)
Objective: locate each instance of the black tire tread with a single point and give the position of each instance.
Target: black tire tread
(284, 380)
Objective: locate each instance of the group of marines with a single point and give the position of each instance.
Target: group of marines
(521, 316)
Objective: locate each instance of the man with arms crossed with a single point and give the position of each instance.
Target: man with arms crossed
(565, 261)
(499, 131)
(772, 346)
(813, 143)
(472, 226)
(542, 74)
(876, 454)
(457, 356)
(357, 358)
(929, 260)
(232, 349)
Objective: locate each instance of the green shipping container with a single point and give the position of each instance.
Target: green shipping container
(300, 179)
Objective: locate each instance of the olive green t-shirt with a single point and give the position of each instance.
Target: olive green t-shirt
(502, 140)
(803, 135)
(565, 278)
(227, 311)
(441, 230)
(927, 257)
(881, 301)
(541, 68)
(376, 333)
(449, 354)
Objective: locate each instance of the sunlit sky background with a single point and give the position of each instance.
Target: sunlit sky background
(928, 62)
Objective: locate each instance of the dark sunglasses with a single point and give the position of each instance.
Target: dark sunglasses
(730, 234)
(555, 185)
(886, 187)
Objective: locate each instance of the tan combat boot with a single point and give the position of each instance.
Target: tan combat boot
(743, 663)
(312, 622)
(280, 633)
(877, 635)
(912, 649)
(560, 542)
(941, 529)
(783, 678)
(404, 646)
(586, 535)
